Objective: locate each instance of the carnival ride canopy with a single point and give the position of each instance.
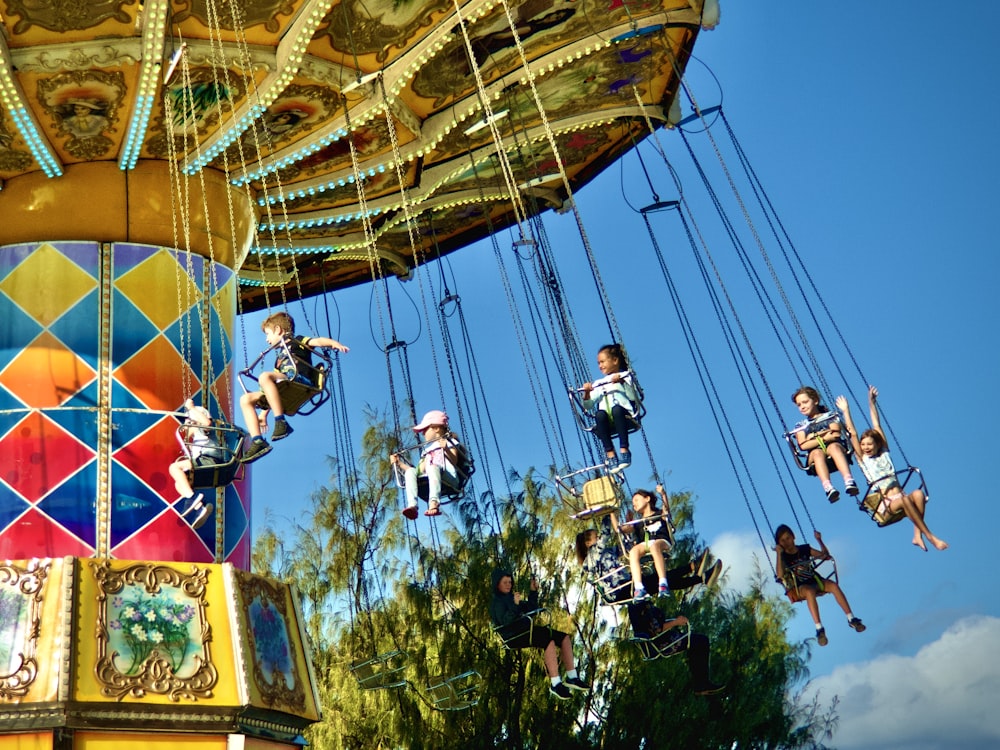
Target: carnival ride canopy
(297, 101)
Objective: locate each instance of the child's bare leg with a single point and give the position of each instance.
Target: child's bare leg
(656, 550)
(551, 663)
(248, 407)
(810, 596)
(818, 460)
(919, 503)
(268, 385)
(838, 594)
(634, 555)
(836, 452)
(178, 472)
(566, 653)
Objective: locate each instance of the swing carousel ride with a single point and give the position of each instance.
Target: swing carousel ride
(166, 165)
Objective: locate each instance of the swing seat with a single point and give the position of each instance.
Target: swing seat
(452, 487)
(300, 397)
(796, 575)
(876, 504)
(381, 672)
(305, 389)
(528, 627)
(216, 466)
(455, 693)
(595, 498)
(664, 516)
(663, 645)
(801, 455)
(588, 421)
(615, 586)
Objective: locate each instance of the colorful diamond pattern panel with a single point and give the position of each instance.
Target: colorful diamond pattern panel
(50, 317)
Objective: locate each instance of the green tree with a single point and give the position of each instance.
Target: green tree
(369, 587)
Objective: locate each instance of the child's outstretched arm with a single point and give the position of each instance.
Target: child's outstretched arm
(873, 413)
(314, 341)
(845, 409)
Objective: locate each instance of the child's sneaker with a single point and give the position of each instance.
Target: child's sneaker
(575, 683)
(257, 449)
(410, 511)
(194, 503)
(559, 691)
(664, 589)
(624, 460)
(851, 486)
(713, 573)
(855, 622)
(611, 464)
(821, 638)
(832, 495)
(702, 563)
(640, 594)
(281, 429)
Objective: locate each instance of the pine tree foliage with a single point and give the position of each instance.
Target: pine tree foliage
(370, 586)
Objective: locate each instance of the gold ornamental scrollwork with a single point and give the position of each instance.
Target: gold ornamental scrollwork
(153, 635)
(271, 644)
(20, 586)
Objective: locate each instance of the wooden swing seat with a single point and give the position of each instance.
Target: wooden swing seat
(791, 581)
(381, 672)
(455, 693)
(876, 504)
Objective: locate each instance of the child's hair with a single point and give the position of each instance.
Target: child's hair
(581, 544)
(280, 320)
(649, 496)
(877, 438)
(615, 350)
(811, 393)
(778, 532)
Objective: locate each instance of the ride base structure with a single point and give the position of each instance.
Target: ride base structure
(120, 624)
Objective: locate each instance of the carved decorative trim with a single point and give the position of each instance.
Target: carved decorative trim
(67, 16)
(153, 615)
(21, 619)
(57, 58)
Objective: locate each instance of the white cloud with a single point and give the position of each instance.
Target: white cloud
(946, 696)
(739, 552)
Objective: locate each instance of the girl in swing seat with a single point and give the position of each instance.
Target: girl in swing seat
(873, 457)
(821, 436)
(794, 558)
(614, 401)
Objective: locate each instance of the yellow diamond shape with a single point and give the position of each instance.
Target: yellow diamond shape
(160, 288)
(47, 283)
(224, 303)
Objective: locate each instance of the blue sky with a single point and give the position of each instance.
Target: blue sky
(874, 135)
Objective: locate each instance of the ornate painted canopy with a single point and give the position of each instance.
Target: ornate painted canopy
(367, 135)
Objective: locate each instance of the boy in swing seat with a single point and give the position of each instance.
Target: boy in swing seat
(277, 328)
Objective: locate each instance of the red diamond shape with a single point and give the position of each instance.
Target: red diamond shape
(39, 455)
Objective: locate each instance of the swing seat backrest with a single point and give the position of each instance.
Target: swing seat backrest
(381, 672)
(298, 397)
(593, 498)
(455, 693)
(600, 497)
(876, 503)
